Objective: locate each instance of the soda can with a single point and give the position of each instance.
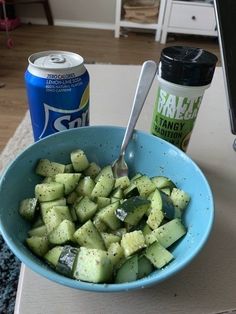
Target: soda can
(57, 85)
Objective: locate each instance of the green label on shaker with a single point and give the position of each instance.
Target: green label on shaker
(174, 117)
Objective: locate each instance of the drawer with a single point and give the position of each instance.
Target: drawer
(192, 16)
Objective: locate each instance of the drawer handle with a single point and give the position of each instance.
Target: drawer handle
(193, 18)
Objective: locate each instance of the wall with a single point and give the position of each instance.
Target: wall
(87, 13)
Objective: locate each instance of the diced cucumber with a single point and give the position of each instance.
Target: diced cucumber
(85, 186)
(128, 271)
(62, 233)
(117, 193)
(170, 232)
(66, 261)
(47, 168)
(150, 238)
(155, 218)
(52, 256)
(88, 236)
(109, 238)
(122, 182)
(133, 209)
(115, 253)
(70, 181)
(102, 201)
(144, 185)
(46, 205)
(108, 216)
(79, 160)
(85, 209)
(92, 170)
(144, 267)
(132, 242)
(162, 202)
(64, 211)
(38, 245)
(158, 255)
(99, 224)
(180, 200)
(45, 192)
(38, 231)
(162, 182)
(52, 218)
(93, 265)
(104, 183)
(28, 208)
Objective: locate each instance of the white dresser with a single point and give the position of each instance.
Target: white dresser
(188, 17)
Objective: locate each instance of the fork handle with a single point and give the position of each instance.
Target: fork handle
(147, 74)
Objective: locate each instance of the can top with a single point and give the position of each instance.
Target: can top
(187, 66)
(55, 60)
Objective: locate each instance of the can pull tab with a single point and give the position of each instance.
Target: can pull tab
(57, 59)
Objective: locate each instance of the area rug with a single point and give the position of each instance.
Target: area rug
(9, 263)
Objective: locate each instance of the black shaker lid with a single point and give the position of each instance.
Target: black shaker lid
(187, 65)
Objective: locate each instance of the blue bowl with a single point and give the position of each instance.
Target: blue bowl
(147, 154)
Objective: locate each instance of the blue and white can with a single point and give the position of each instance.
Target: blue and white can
(57, 84)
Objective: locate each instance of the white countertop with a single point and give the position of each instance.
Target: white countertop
(208, 284)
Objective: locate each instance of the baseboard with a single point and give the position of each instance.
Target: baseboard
(69, 23)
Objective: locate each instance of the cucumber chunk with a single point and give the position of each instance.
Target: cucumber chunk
(85, 186)
(108, 216)
(92, 265)
(46, 205)
(92, 170)
(69, 180)
(49, 191)
(155, 218)
(132, 242)
(170, 232)
(162, 182)
(109, 238)
(47, 168)
(52, 256)
(85, 209)
(144, 185)
(180, 200)
(133, 209)
(28, 208)
(38, 245)
(128, 271)
(79, 160)
(38, 231)
(88, 236)
(144, 267)
(115, 253)
(62, 233)
(104, 183)
(158, 255)
(102, 201)
(122, 182)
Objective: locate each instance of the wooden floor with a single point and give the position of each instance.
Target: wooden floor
(96, 46)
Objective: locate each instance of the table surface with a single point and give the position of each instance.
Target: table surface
(208, 284)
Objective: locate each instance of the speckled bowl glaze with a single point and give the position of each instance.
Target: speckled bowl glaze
(147, 154)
